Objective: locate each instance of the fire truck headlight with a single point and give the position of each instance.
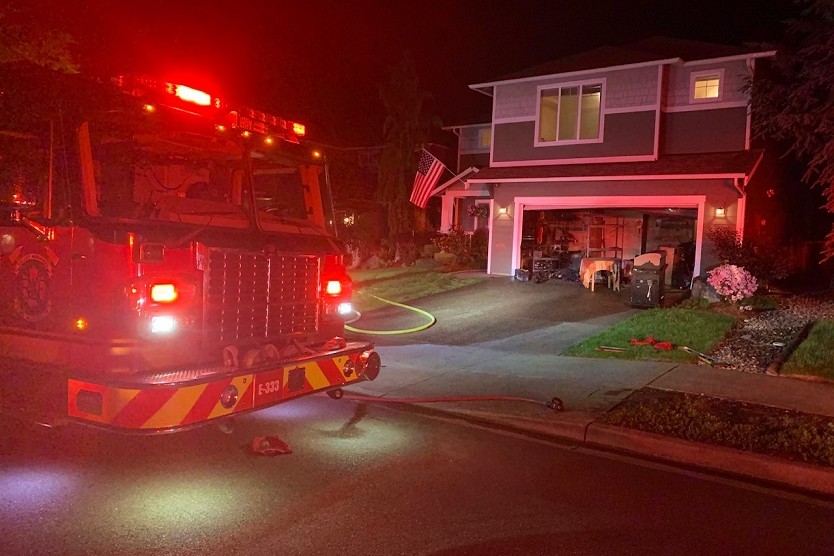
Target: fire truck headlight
(163, 324)
(345, 308)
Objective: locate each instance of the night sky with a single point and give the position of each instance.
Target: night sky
(322, 62)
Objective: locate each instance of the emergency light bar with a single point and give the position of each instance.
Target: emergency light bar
(199, 102)
(192, 95)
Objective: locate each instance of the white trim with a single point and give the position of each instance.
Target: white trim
(740, 214)
(628, 109)
(492, 126)
(457, 177)
(752, 56)
(602, 82)
(710, 73)
(464, 126)
(657, 108)
(564, 161)
(492, 216)
(514, 119)
(678, 201)
(706, 106)
(642, 177)
(574, 73)
(472, 151)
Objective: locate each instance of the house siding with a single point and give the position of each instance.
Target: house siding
(479, 160)
(735, 76)
(703, 131)
(635, 87)
(625, 134)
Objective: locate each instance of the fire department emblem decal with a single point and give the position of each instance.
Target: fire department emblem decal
(33, 281)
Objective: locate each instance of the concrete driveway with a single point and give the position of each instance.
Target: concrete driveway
(506, 315)
(504, 338)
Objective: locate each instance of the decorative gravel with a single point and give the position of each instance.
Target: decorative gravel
(760, 337)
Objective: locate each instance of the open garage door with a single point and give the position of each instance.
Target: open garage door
(562, 230)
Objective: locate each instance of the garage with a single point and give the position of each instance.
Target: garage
(555, 241)
(553, 236)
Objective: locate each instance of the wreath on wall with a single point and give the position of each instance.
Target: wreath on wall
(478, 211)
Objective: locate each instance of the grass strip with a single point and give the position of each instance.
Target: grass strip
(696, 329)
(402, 285)
(814, 356)
(756, 428)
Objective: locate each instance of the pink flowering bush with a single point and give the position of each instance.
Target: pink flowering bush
(733, 282)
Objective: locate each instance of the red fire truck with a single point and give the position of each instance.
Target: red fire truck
(166, 256)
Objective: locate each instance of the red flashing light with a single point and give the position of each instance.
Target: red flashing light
(299, 129)
(192, 95)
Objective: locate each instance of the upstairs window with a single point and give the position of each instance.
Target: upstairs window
(706, 85)
(484, 138)
(570, 113)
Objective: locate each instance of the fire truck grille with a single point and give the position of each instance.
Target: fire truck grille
(255, 296)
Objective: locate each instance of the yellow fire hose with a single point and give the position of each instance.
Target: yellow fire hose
(426, 314)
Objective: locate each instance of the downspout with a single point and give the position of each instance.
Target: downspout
(742, 206)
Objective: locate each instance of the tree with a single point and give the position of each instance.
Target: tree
(22, 38)
(793, 100)
(406, 127)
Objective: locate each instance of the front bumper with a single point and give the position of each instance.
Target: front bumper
(175, 400)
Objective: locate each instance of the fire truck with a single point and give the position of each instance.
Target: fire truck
(167, 257)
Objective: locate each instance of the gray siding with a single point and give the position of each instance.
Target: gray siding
(477, 160)
(627, 134)
(703, 131)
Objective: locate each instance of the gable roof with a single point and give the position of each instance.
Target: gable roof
(653, 49)
(727, 164)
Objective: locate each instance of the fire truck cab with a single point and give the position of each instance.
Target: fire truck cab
(166, 257)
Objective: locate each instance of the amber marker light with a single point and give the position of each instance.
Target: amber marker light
(149, 108)
(269, 140)
(81, 324)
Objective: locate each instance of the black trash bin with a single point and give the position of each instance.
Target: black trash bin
(647, 285)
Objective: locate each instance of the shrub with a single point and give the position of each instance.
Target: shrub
(455, 242)
(426, 263)
(693, 303)
(429, 250)
(445, 258)
(759, 303)
(733, 282)
(765, 262)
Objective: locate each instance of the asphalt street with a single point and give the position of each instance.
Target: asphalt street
(373, 479)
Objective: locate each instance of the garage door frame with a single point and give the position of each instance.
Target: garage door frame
(520, 204)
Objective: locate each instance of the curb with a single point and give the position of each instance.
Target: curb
(583, 430)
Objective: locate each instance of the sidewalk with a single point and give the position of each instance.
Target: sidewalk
(588, 388)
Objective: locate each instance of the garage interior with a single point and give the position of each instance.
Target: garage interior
(554, 242)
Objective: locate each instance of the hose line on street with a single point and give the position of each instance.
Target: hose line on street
(426, 314)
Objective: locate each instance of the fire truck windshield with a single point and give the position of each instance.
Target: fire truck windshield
(186, 177)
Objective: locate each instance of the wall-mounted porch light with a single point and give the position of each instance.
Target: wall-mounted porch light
(720, 212)
(502, 210)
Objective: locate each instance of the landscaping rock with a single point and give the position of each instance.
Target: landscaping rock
(374, 263)
(702, 290)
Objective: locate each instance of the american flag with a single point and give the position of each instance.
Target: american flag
(429, 170)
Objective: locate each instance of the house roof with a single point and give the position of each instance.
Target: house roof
(727, 164)
(652, 49)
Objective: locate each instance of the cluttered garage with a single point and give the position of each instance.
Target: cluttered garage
(611, 246)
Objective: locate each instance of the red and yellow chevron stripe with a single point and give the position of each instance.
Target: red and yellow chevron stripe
(167, 407)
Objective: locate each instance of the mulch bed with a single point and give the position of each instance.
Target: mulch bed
(761, 336)
(762, 429)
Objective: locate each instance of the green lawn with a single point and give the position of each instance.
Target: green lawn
(401, 285)
(699, 330)
(814, 356)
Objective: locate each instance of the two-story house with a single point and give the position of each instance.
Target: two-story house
(613, 152)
